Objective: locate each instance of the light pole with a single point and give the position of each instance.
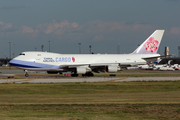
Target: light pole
(79, 48)
(90, 49)
(49, 46)
(10, 50)
(14, 51)
(118, 48)
(42, 46)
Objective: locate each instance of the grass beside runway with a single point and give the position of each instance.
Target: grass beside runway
(90, 112)
(91, 101)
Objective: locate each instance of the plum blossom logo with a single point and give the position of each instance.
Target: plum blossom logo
(73, 59)
(151, 45)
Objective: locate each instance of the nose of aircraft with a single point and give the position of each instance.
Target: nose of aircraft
(12, 62)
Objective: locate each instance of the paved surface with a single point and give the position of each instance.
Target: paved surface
(90, 79)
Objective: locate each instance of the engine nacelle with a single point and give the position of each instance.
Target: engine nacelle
(82, 70)
(112, 68)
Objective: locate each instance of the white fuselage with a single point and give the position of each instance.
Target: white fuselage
(53, 61)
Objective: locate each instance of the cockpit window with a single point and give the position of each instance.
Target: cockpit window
(21, 54)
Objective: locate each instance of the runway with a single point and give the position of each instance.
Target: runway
(89, 79)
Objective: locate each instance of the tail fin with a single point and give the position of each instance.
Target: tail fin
(151, 44)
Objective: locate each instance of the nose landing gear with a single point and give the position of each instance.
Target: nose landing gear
(26, 74)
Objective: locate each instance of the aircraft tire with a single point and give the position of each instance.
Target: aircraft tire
(112, 75)
(91, 74)
(88, 74)
(26, 75)
(74, 75)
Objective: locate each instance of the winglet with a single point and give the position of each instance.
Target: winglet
(151, 44)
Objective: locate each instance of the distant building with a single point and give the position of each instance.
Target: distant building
(4, 61)
(175, 60)
(166, 52)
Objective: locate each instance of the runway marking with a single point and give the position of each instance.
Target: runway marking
(115, 80)
(20, 81)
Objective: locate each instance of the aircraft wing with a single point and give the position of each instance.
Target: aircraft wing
(88, 64)
(156, 57)
(73, 65)
(151, 59)
(148, 58)
(100, 67)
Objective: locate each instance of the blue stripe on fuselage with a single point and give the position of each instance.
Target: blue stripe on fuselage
(27, 64)
(23, 66)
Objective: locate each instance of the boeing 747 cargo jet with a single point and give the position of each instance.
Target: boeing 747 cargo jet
(86, 64)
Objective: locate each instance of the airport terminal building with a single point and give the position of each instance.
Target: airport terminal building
(174, 60)
(4, 61)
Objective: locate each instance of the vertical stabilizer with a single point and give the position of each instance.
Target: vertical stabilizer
(151, 44)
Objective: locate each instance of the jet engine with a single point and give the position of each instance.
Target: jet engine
(82, 70)
(112, 68)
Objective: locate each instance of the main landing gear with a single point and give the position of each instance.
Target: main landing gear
(88, 74)
(83, 75)
(74, 75)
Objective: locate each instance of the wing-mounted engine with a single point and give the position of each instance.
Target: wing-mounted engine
(83, 69)
(112, 68)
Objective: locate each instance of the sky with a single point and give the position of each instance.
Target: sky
(103, 24)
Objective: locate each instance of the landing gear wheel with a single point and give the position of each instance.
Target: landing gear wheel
(88, 74)
(112, 75)
(91, 74)
(26, 75)
(74, 75)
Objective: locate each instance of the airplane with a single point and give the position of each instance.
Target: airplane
(160, 67)
(164, 67)
(146, 67)
(86, 64)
